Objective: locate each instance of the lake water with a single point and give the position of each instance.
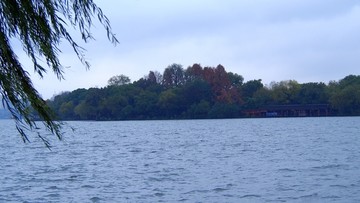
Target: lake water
(236, 160)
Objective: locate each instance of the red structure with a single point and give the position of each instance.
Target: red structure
(293, 110)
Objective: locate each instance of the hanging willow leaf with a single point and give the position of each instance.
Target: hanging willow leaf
(40, 26)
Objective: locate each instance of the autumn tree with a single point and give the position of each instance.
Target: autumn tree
(40, 26)
(194, 72)
(221, 85)
(154, 77)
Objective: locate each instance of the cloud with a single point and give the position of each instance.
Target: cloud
(273, 40)
(303, 49)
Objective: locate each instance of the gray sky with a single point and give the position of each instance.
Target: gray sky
(272, 40)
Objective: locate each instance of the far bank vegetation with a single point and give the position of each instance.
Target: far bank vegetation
(200, 92)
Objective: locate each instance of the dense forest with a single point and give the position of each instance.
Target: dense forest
(200, 92)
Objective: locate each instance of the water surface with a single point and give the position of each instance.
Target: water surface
(237, 160)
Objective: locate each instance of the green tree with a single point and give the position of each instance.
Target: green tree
(235, 79)
(199, 110)
(260, 98)
(67, 110)
(119, 80)
(345, 95)
(285, 92)
(349, 81)
(170, 103)
(146, 105)
(313, 93)
(224, 110)
(250, 87)
(347, 100)
(195, 91)
(40, 26)
(111, 106)
(85, 111)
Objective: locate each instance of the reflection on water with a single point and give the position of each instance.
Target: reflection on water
(239, 160)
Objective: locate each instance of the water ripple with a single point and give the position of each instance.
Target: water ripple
(237, 160)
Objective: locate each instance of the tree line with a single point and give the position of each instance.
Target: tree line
(197, 93)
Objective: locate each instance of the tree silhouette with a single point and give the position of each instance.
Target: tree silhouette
(119, 80)
(40, 26)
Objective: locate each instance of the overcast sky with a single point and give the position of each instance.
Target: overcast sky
(272, 40)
